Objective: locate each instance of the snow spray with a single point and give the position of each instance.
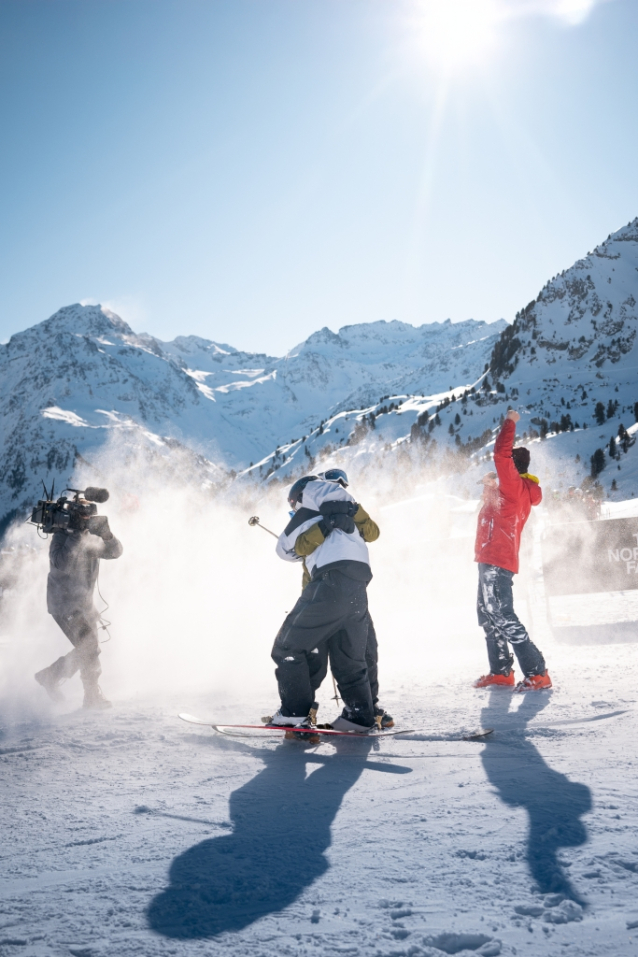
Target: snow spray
(197, 599)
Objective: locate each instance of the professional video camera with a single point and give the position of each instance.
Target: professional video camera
(75, 513)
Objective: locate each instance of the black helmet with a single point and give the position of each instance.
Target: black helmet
(335, 475)
(296, 491)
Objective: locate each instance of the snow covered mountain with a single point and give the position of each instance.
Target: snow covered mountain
(82, 382)
(572, 355)
(83, 379)
(267, 399)
(568, 364)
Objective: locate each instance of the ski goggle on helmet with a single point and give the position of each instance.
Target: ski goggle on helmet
(335, 475)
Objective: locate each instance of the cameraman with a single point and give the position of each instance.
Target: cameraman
(74, 559)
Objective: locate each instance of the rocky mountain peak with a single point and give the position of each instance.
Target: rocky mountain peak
(77, 320)
(587, 312)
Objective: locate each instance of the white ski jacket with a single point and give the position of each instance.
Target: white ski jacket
(339, 546)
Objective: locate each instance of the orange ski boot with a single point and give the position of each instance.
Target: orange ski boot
(535, 683)
(495, 681)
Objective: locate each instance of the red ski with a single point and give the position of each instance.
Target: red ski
(221, 728)
(232, 729)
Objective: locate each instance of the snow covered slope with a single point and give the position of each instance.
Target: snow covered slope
(129, 833)
(83, 380)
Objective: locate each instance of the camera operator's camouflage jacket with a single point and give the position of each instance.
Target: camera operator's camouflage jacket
(74, 561)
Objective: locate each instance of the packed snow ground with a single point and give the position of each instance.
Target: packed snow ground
(129, 832)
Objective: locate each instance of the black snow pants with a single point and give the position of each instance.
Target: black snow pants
(318, 661)
(495, 610)
(81, 630)
(332, 616)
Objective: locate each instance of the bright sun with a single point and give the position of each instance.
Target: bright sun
(456, 34)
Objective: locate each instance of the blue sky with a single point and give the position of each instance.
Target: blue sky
(252, 170)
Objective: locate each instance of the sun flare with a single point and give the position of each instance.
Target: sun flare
(456, 34)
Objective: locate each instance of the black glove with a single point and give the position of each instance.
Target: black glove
(99, 525)
(344, 522)
(339, 508)
(337, 520)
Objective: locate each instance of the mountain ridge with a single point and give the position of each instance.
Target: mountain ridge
(568, 364)
(82, 377)
(428, 398)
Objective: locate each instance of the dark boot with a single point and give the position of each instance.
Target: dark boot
(50, 679)
(349, 720)
(94, 699)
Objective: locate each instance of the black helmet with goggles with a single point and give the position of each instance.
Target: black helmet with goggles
(296, 490)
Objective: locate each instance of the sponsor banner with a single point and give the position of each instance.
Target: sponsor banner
(584, 557)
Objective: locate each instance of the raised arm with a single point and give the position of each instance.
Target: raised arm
(509, 481)
(102, 542)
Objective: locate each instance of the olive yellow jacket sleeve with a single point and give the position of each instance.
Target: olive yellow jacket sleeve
(369, 529)
(309, 540)
(305, 545)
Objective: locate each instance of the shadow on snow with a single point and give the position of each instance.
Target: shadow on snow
(281, 830)
(554, 804)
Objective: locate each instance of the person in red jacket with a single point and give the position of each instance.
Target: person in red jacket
(508, 497)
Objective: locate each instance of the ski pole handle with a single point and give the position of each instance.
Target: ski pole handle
(254, 520)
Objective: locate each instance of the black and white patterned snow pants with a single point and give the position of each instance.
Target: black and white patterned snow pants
(495, 610)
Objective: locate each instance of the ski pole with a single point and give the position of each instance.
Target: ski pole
(336, 694)
(254, 520)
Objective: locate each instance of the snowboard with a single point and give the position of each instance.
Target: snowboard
(235, 730)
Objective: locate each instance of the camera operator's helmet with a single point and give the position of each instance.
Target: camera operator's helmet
(296, 491)
(335, 475)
